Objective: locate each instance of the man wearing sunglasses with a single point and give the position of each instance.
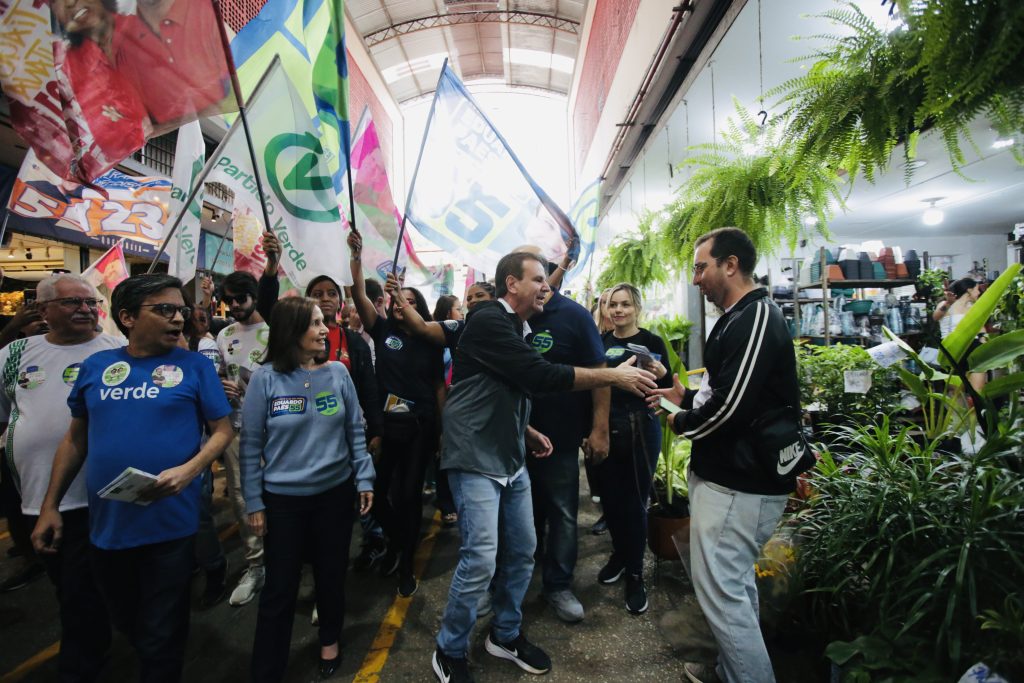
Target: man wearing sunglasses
(38, 373)
(144, 406)
(242, 345)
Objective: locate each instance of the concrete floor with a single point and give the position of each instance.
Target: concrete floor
(609, 645)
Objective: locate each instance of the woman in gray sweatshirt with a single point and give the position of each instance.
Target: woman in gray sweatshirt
(303, 459)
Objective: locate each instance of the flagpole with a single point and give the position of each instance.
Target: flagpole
(201, 179)
(236, 86)
(416, 171)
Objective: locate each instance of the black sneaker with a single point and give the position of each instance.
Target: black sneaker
(407, 585)
(612, 571)
(600, 527)
(389, 562)
(450, 669)
(370, 554)
(522, 652)
(216, 586)
(23, 577)
(636, 594)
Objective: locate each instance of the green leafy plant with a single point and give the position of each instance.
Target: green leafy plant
(631, 258)
(753, 180)
(931, 284)
(1007, 628)
(909, 545)
(822, 369)
(1010, 311)
(671, 471)
(675, 451)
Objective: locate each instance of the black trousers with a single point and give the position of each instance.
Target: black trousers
(408, 446)
(146, 590)
(316, 529)
(625, 480)
(85, 631)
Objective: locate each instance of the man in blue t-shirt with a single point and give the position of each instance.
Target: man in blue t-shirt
(564, 333)
(145, 407)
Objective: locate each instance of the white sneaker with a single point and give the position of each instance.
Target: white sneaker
(249, 585)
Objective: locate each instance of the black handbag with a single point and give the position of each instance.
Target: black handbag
(779, 446)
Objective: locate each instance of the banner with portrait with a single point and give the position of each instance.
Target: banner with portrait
(89, 82)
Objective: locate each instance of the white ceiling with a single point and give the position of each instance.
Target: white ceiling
(524, 43)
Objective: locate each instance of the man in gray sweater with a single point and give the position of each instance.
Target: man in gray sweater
(484, 444)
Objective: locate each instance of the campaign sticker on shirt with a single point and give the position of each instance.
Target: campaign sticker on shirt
(31, 377)
(393, 343)
(452, 325)
(615, 352)
(212, 354)
(543, 341)
(167, 376)
(287, 405)
(256, 356)
(116, 373)
(326, 403)
(70, 374)
(233, 345)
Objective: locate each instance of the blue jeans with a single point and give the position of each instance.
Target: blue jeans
(727, 531)
(556, 503)
(486, 508)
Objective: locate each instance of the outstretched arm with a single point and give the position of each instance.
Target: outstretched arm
(367, 313)
(403, 311)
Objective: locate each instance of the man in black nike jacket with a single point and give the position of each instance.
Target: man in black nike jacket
(750, 368)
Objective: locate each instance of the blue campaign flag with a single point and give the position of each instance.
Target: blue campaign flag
(471, 196)
(584, 215)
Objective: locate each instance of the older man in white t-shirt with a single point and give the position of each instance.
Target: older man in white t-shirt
(38, 373)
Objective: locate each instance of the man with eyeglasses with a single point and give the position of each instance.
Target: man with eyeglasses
(242, 345)
(143, 406)
(38, 373)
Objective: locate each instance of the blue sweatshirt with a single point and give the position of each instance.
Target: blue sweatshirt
(300, 440)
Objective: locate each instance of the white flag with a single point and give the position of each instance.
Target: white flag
(300, 199)
(189, 157)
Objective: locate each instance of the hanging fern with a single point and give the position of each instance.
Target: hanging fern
(753, 180)
(632, 258)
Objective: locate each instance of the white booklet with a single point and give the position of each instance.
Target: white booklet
(128, 485)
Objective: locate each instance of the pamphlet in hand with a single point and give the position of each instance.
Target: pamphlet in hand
(397, 404)
(644, 357)
(128, 485)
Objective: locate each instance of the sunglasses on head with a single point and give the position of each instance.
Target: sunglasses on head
(230, 299)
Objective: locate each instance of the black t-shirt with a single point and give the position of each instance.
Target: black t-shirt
(617, 352)
(407, 366)
(565, 333)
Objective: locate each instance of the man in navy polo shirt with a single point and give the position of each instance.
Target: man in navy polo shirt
(143, 406)
(564, 333)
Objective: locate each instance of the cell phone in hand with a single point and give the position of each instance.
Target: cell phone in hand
(669, 407)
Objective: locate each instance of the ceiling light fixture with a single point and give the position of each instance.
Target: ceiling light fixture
(810, 220)
(1001, 143)
(916, 163)
(931, 215)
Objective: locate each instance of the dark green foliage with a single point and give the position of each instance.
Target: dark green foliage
(821, 370)
(906, 547)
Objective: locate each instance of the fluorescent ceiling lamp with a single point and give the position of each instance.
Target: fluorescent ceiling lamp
(810, 221)
(999, 144)
(932, 216)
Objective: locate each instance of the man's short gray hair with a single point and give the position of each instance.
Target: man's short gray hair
(47, 289)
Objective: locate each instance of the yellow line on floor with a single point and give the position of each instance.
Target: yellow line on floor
(29, 665)
(42, 656)
(375, 659)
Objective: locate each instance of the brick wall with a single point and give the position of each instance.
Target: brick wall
(612, 22)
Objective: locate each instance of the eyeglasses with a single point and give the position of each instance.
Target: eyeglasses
(73, 303)
(168, 310)
(233, 299)
(699, 268)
